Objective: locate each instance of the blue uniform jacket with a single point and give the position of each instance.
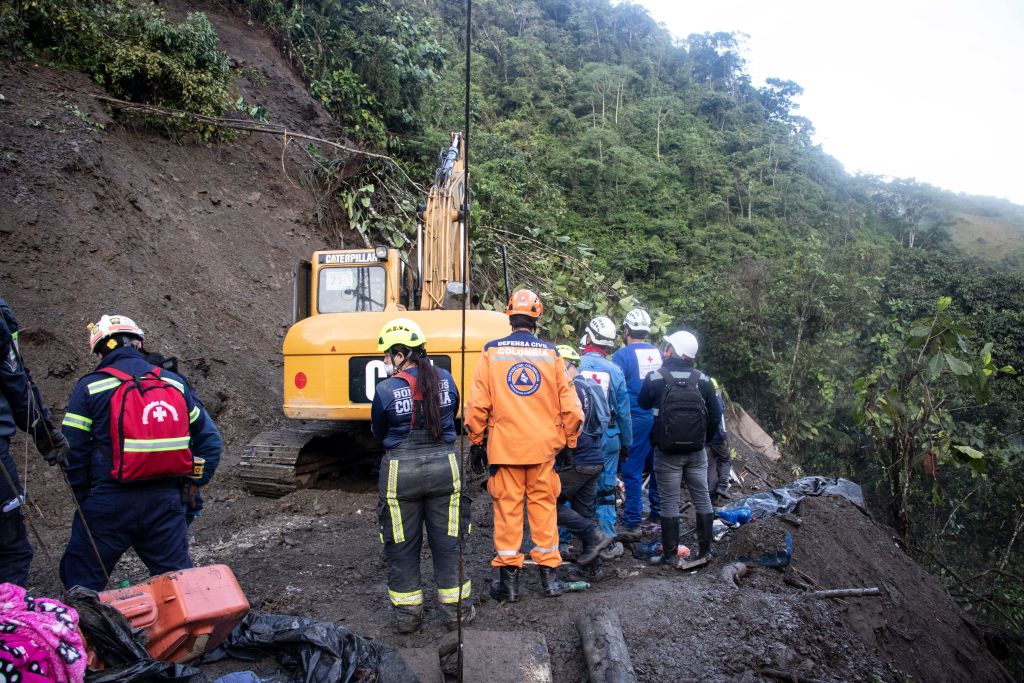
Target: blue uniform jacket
(87, 427)
(21, 405)
(588, 448)
(596, 366)
(636, 362)
(391, 413)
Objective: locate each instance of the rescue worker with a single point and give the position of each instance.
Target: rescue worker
(719, 460)
(579, 468)
(204, 470)
(523, 403)
(420, 481)
(21, 407)
(637, 359)
(674, 467)
(598, 338)
(146, 514)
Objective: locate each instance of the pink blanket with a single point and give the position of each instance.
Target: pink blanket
(39, 639)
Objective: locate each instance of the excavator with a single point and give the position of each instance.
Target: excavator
(341, 299)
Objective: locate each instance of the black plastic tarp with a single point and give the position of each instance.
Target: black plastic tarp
(318, 651)
(785, 498)
(119, 646)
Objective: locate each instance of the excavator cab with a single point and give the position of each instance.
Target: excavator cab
(351, 281)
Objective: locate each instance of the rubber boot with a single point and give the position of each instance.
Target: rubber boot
(705, 531)
(593, 544)
(669, 541)
(451, 614)
(550, 583)
(506, 587)
(408, 618)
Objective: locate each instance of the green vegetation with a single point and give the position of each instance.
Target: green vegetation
(127, 47)
(617, 164)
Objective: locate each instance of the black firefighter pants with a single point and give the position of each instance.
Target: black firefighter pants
(415, 489)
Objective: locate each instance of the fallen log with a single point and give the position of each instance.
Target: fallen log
(604, 648)
(733, 572)
(845, 593)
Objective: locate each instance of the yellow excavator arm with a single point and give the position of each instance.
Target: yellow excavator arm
(441, 233)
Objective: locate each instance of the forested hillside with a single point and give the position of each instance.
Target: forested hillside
(855, 318)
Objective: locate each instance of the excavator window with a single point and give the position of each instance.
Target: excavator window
(348, 289)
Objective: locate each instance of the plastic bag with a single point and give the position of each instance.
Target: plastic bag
(785, 499)
(321, 652)
(118, 645)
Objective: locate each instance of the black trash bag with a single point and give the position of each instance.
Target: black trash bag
(321, 652)
(785, 499)
(119, 645)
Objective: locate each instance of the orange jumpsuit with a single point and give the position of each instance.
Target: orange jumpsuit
(523, 398)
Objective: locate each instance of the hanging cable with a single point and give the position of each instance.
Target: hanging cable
(462, 351)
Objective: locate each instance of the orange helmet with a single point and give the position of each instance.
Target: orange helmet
(524, 302)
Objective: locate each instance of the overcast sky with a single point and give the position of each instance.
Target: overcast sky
(932, 90)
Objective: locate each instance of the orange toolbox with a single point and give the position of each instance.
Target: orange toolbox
(183, 613)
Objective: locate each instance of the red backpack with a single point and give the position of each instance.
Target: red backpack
(149, 428)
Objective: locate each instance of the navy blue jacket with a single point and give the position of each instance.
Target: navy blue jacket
(391, 413)
(588, 449)
(654, 385)
(87, 427)
(21, 405)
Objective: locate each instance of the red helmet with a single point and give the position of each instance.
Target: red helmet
(524, 302)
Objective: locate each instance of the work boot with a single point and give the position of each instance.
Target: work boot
(627, 533)
(408, 618)
(705, 533)
(591, 573)
(550, 583)
(593, 544)
(451, 614)
(506, 587)
(669, 541)
(613, 551)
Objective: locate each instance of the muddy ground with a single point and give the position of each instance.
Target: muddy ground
(197, 243)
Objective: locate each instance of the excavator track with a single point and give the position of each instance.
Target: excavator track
(278, 462)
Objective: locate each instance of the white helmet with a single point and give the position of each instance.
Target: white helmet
(108, 326)
(601, 331)
(683, 343)
(638, 320)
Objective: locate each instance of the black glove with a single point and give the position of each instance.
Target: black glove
(477, 458)
(623, 453)
(53, 446)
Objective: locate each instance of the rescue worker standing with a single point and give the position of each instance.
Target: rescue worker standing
(143, 512)
(637, 359)
(597, 340)
(579, 468)
(523, 403)
(687, 415)
(21, 406)
(719, 461)
(420, 481)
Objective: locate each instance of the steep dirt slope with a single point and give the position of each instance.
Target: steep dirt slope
(194, 242)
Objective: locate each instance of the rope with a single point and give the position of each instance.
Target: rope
(465, 297)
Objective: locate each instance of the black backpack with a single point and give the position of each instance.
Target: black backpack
(682, 415)
(596, 413)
